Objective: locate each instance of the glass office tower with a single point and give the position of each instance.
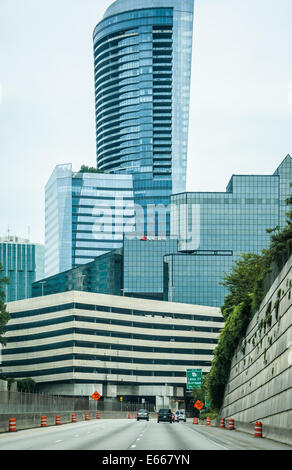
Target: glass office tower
(87, 215)
(215, 228)
(23, 263)
(142, 60)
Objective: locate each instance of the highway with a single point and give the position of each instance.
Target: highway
(128, 434)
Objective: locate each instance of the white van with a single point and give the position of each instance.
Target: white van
(180, 415)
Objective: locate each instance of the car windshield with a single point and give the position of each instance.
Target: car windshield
(164, 410)
(142, 411)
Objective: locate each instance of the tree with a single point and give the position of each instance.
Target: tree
(240, 282)
(4, 315)
(89, 169)
(26, 385)
(198, 393)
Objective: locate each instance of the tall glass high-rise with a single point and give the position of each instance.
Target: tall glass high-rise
(142, 63)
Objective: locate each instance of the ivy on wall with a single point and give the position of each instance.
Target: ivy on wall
(247, 283)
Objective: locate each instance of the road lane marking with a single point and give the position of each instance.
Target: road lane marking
(208, 438)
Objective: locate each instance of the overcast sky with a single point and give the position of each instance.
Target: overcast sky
(241, 98)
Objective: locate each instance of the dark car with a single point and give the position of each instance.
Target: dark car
(143, 414)
(164, 414)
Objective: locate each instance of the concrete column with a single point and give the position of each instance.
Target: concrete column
(166, 401)
(159, 403)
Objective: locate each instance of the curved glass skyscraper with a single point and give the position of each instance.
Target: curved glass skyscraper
(142, 59)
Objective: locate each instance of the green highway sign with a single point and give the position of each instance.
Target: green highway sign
(194, 378)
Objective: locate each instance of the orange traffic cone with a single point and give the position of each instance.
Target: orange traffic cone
(58, 420)
(43, 421)
(12, 424)
(231, 423)
(258, 429)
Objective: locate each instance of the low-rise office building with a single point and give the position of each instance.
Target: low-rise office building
(79, 342)
(103, 275)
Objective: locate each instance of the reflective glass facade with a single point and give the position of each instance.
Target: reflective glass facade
(210, 226)
(87, 215)
(143, 266)
(142, 60)
(22, 263)
(58, 220)
(103, 275)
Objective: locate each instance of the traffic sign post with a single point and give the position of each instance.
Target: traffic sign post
(199, 405)
(194, 378)
(95, 396)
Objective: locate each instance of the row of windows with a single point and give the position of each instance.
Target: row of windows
(113, 334)
(157, 12)
(100, 308)
(114, 359)
(108, 321)
(108, 346)
(112, 35)
(91, 370)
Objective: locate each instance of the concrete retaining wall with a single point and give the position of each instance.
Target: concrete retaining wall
(260, 381)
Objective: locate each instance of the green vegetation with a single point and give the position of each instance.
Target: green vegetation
(247, 283)
(89, 169)
(26, 385)
(23, 385)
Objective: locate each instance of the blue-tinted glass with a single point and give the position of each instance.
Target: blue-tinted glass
(144, 48)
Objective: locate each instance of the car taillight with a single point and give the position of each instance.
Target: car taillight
(158, 416)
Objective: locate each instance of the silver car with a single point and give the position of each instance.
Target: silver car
(143, 414)
(180, 415)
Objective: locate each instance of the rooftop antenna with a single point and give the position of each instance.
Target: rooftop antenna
(28, 233)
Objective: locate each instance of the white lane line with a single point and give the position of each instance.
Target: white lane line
(133, 446)
(60, 440)
(209, 439)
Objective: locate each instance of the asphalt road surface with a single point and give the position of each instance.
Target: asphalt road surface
(129, 434)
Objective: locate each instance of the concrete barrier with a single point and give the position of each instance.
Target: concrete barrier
(269, 432)
(33, 420)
